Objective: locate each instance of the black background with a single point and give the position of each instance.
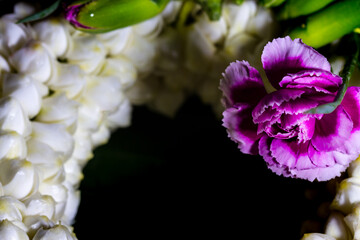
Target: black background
(183, 177)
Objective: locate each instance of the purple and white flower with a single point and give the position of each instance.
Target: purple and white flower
(277, 126)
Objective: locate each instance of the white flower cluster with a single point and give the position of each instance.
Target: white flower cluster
(344, 220)
(62, 93)
(193, 55)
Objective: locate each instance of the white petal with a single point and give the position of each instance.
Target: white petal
(68, 78)
(105, 92)
(59, 193)
(23, 89)
(71, 208)
(121, 68)
(87, 53)
(40, 205)
(54, 135)
(35, 222)
(150, 28)
(11, 209)
(121, 117)
(13, 118)
(33, 60)
(115, 41)
(53, 33)
(348, 195)
(12, 146)
(101, 136)
(57, 232)
(48, 161)
(336, 227)
(57, 108)
(18, 177)
(10, 231)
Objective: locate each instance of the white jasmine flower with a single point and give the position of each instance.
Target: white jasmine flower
(13, 118)
(39, 205)
(18, 177)
(87, 53)
(150, 28)
(10, 231)
(13, 36)
(121, 117)
(36, 222)
(71, 207)
(101, 136)
(48, 161)
(68, 78)
(57, 108)
(59, 193)
(90, 117)
(24, 90)
(54, 34)
(12, 146)
(117, 40)
(121, 68)
(141, 52)
(83, 147)
(23, 9)
(34, 60)
(336, 227)
(73, 172)
(55, 136)
(58, 232)
(353, 222)
(11, 209)
(104, 92)
(348, 195)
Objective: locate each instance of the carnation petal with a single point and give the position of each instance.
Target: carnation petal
(351, 104)
(283, 56)
(241, 84)
(320, 80)
(273, 100)
(332, 131)
(241, 129)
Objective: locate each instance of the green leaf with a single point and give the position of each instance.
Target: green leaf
(272, 3)
(296, 8)
(329, 24)
(106, 15)
(346, 75)
(42, 14)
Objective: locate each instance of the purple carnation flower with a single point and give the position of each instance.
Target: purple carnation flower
(276, 125)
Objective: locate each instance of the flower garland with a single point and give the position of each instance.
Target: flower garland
(64, 91)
